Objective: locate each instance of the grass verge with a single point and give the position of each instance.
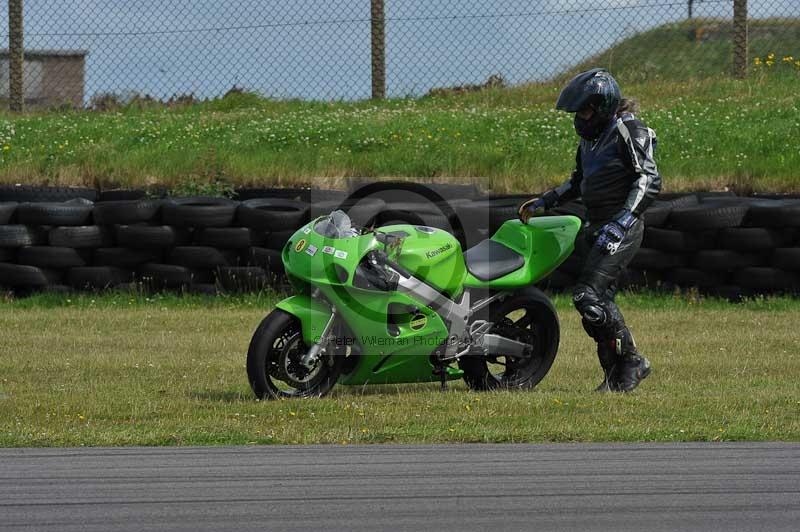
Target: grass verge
(121, 370)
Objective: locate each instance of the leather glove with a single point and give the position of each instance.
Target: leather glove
(530, 208)
(611, 234)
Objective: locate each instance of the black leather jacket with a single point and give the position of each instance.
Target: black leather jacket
(615, 172)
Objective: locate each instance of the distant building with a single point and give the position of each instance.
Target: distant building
(51, 78)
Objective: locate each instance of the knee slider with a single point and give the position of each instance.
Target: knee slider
(589, 305)
(596, 317)
(594, 314)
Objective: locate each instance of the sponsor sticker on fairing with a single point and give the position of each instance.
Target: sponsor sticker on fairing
(339, 254)
(311, 250)
(418, 322)
(329, 250)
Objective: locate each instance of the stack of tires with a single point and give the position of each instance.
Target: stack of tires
(191, 244)
(43, 235)
(724, 245)
(663, 247)
(432, 205)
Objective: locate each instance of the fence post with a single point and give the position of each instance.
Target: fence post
(16, 96)
(740, 39)
(378, 50)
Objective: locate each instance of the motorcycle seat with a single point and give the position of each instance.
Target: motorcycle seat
(491, 260)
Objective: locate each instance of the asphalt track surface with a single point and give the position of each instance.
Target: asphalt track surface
(404, 487)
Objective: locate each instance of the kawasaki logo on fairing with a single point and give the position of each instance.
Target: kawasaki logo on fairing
(434, 252)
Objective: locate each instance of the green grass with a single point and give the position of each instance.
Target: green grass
(714, 132)
(700, 48)
(166, 370)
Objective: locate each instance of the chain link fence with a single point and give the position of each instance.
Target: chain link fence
(84, 52)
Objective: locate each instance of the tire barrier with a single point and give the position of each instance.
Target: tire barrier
(157, 276)
(415, 213)
(98, 277)
(126, 258)
(24, 276)
(125, 212)
(52, 257)
(33, 194)
(405, 191)
(15, 236)
(80, 237)
(199, 212)
(229, 237)
(72, 212)
(7, 210)
(201, 257)
(273, 214)
(151, 236)
(361, 211)
(717, 243)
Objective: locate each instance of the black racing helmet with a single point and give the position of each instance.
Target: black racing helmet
(596, 87)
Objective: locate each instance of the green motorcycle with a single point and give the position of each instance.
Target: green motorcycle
(404, 304)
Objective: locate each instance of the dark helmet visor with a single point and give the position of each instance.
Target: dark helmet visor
(589, 87)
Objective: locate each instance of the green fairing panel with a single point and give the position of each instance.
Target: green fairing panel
(388, 357)
(312, 314)
(433, 255)
(545, 242)
(321, 260)
(329, 264)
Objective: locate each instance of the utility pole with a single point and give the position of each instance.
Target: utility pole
(378, 50)
(740, 39)
(16, 57)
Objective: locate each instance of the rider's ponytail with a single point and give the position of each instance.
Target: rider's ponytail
(628, 106)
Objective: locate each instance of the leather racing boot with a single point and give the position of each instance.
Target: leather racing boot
(633, 369)
(610, 362)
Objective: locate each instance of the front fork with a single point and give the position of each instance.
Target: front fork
(310, 358)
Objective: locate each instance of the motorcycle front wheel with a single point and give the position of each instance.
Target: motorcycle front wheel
(527, 316)
(273, 361)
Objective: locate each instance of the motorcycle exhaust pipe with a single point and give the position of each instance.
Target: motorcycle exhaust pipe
(500, 345)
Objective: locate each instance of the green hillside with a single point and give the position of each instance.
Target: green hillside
(700, 48)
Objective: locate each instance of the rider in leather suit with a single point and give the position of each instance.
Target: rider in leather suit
(617, 178)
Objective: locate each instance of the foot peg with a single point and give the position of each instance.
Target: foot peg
(441, 372)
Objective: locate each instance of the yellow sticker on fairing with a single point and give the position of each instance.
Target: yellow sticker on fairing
(300, 245)
(418, 322)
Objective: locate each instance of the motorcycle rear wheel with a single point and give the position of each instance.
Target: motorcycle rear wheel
(526, 316)
(273, 361)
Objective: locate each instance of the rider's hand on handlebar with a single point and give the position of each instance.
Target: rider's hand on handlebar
(530, 208)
